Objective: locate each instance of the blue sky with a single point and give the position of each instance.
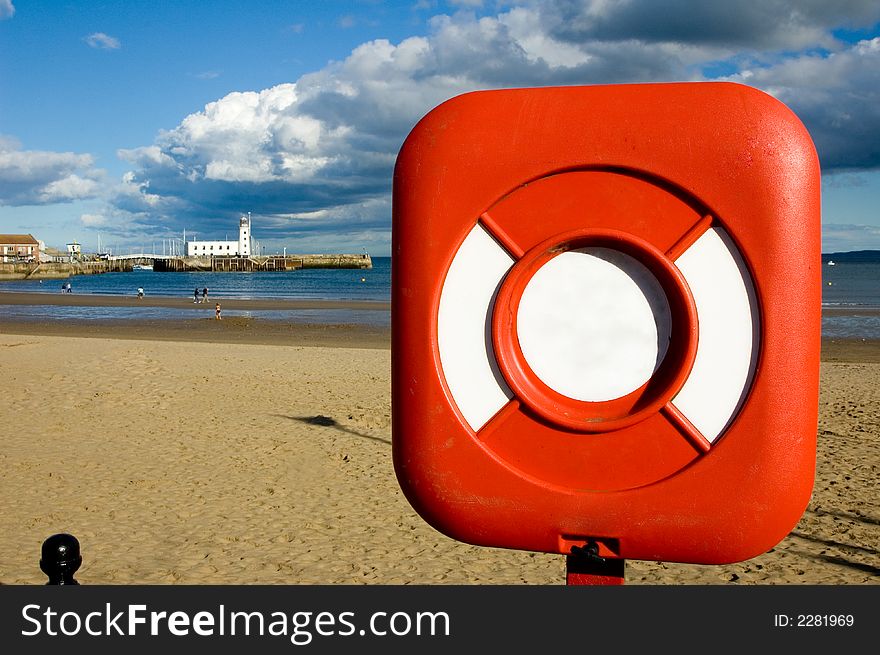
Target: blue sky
(130, 121)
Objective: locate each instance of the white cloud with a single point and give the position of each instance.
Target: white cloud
(68, 188)
(93, 220)
(102, 41)
(8, 143)
(334, 228)
(7, 9)
(838, 98)
(367, 210)
(245, 137)
(841, 237)
(34, 177)
(539, 45)
(145, 155)
(318, 154)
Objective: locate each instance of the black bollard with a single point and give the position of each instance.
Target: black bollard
(60, 558)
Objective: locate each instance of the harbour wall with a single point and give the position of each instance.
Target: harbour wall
(60, 270)
(272, 263)
(275, 263)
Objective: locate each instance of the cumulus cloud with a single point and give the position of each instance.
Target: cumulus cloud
(35, 177)
(316, 155)
(7, 9)
(838, 98)
(102, 41)
(243, 138)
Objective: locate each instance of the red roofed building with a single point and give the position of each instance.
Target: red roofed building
(16, 247)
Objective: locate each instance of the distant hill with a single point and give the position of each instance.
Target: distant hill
(853, 256)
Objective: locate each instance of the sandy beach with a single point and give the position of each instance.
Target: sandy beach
(252, 452)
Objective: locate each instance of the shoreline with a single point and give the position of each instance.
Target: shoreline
(232, 330)
(202, 327)
(58, 299)
(850, 310)
(95, 300)
(267, 332)
(850, 351)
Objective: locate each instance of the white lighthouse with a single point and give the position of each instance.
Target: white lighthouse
(244, 235)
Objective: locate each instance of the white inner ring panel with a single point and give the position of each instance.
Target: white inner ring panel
(727, 352)
(464, 324)
(594, 324)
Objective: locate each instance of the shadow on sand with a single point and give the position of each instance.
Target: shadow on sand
(328, 422)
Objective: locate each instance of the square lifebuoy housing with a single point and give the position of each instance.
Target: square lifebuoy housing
(606, 319)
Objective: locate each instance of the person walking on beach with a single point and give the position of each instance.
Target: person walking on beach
(217, 312)
(205, 294)
(140, 292)
(69, 288)
(195, 296)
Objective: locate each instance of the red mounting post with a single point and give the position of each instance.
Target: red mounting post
(585, 567)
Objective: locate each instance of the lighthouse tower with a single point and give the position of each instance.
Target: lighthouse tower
(244, 236)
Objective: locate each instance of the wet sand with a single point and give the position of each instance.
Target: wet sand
(183, 452)
(202, 326)
(95, 300)
(229, 330)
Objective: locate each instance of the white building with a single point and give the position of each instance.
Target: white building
(74, 251)
(240, 248)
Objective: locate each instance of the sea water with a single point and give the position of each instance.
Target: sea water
(372, 284)
(305, 284)
(850, 291)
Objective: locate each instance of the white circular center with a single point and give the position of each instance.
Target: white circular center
(594, 324)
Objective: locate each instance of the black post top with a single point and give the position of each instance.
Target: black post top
(60, 559)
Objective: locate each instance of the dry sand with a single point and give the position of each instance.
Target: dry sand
(218, 458)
